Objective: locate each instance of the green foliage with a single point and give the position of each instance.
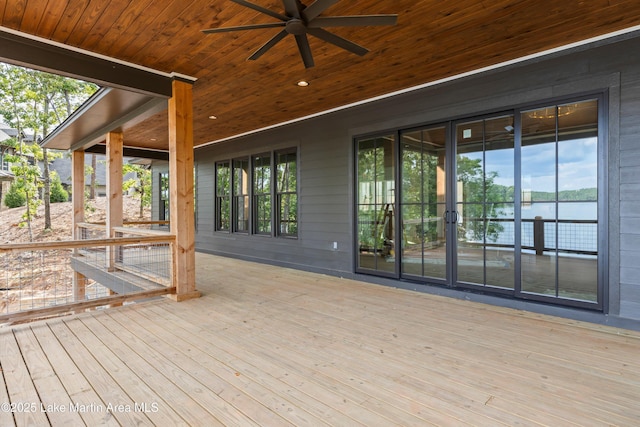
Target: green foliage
(27, 177)
(34, 102)
(15, 197)
(483, 199)
(58, 193)
(581, 195)
(141, 184)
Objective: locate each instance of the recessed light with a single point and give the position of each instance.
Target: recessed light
(153, 139)
(303, 83)
(213, 117)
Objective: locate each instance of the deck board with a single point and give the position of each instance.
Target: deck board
(79, 390)
(20, 387)
(278, 347)
(6, 417)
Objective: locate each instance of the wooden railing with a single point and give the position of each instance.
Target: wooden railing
(49, 278)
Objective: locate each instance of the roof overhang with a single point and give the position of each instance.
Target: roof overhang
(109, 109)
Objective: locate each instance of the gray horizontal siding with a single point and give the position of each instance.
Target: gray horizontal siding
(630, 195)
(325, 153)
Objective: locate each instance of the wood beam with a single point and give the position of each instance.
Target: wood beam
(77, 194)
(114, 181)
(77, 190)
(42, 54)
(114, 192)
(181, 189)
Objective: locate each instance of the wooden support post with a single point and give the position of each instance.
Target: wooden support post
(77, 195)
(181, 189)
(114, 191)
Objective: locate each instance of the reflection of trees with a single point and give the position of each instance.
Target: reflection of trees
(483, 199)
(262, 193)
(376, 195)
(419, 190)
(223, 205)
(286, 187)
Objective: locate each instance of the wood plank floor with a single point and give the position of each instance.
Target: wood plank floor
(267, 346)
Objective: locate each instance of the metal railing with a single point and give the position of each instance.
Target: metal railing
(50, 278)
(568, 236)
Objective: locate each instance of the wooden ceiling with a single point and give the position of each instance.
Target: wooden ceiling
(433, 39)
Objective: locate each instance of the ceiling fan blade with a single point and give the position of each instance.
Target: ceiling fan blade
(305, 50)
(244, 27)
(338, 41)
(261, 9)
(353, 21)
(316, 8)
(291, 8)
(268, 45)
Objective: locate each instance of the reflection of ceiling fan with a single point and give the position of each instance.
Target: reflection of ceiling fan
(301, 20)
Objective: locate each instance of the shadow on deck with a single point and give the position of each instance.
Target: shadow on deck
(270, 346)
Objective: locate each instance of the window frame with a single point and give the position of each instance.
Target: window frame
(164, 209)
(245, 196)
(281, 194)
(252, 194)
(219, 197)
(258, 194)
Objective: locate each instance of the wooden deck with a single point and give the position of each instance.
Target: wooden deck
(267, 346)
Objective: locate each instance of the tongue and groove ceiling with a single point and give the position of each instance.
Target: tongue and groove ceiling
(432, 40)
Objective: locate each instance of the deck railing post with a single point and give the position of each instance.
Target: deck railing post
(538, 235)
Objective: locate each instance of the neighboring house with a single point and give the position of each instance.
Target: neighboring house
(62, 166)
(515, 186)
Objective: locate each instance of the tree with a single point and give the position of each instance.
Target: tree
(35, 101)
(141, 184)
(92, 181)
(482, 199)
(58, 96)
(27, 179)
(15, 107)
(15, 197)
(58, 193)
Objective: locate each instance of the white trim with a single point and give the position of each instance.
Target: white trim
(434, 83)
(93, 54)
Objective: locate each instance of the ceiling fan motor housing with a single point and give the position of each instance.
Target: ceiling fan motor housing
(296, 26)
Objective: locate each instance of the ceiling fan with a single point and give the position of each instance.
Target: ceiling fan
(300, 20)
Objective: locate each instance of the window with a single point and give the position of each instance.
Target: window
(262, 194)
(222, 201)
(258, 194)
(287, 193)
(241, 195)
(163, 212)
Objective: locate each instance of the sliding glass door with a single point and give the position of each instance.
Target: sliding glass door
(375, 238)
(484, 202)
(559, 187)
(505, 203)
(423, 203)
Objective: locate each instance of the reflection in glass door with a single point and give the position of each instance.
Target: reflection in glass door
(376, 204)
(423, 203)
(559, 254)
(484, 207)
(506, 203)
